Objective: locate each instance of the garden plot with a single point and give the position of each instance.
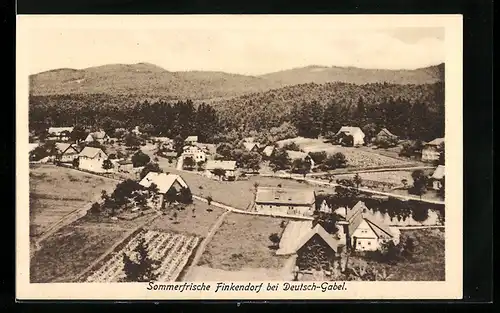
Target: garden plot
(171, 250)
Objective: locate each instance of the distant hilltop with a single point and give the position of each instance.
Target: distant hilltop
(152, 80)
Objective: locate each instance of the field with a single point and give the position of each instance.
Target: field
(58, 191)
(197, 224)
(70, 250)
(356, 157)
(428, 263)
(243, 242)
(389, 177)
(171, 250)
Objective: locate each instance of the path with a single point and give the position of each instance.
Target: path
(204, 243)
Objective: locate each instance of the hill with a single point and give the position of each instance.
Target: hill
(145, 79)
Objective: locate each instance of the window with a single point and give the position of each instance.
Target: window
(369, 243)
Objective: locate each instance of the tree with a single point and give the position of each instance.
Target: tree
(78, 134)
(275, 239)
(419, 183)
(95, 209)
(347, 141)
(327, 220)
(292, 146)
(185, 195)
(219, 172)
(188, 163)
(301, 166)
(318, 157)
(441, 190)
(404, 181)
(125, 191)
(440, 160)
(357, 180)
(279, 160)
(209, 200)
(249, 160)
(338, 160)
(224, 150)
(140, 159)
(150, 167)
(370, 131)
(139, 267)
(107, 164)
(75, 162)
(175, 216)
(199, 165)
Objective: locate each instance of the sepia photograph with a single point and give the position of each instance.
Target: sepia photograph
(239, 157)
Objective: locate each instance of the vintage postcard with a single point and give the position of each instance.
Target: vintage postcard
(239, 157)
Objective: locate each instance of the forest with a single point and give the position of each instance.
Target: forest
(409, 111)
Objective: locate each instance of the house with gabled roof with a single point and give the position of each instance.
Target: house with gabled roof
(98, 136)
(191, 140)
(66, 152)
(299, 155)
(92, 159)
(164, 182)
(59, 133)
(431, 150)
(229, 168)
(437, 177)
(268, 151)
(285, 201)
(251, 146)
(385, 134)
(357, 135)
(361, 232)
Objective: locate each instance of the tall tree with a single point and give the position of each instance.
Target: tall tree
(140, 267)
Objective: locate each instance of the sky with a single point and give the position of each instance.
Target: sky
(250, 50)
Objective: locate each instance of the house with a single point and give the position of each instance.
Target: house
(325, 208)
(356, 133)
(92, 159)
(164, 182)
(99, 136)
(359, 231)
(268, 151)
(299, 155)
(125, 166)
(229, 168)
(431, 150)
(59, 133)
(437, 177)
(191, 140)
(316, 250)
(66, 152)
(198, 154)
(251, 146)
(385, 134)
(285, 201)
(32, 146)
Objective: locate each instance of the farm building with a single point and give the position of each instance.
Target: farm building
(285, 201)
(299, 155)
(98, 136)
(164, 182)
(431, 150)
(268, 151)
(357, 135)
(385, 134)
(66, 152)
(92, 159)
(191, 140)
(437, 177)
(361, 232)
(251, 146)
(229, 168)
(59, 133)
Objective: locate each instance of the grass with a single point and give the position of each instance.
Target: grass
(198, 224)
(390, 177)
(69, 251)
(58, 191)
(239, 194)
(242, 241)
(428, 263)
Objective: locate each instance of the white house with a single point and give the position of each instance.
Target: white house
(251, 146)
(66, 152)
(437, 177)
(285, 201)
(229, 168)
(198, 154)
(431, 152)
(268, 151)
(191, 140)
(299, 155)
(92, 159)
(356, 133)
(164, 182)
(99, 136)
(361, 232)
(59, 133)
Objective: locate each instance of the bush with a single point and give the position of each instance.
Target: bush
(140, 159)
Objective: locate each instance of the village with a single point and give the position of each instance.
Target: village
(346, 206)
